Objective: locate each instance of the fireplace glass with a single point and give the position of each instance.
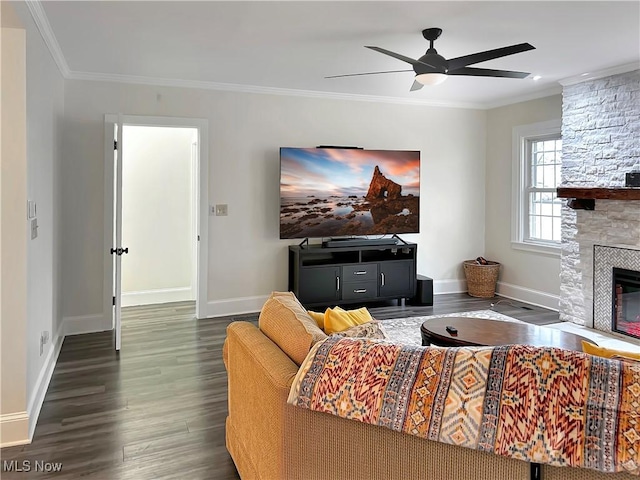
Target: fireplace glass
(626, 302)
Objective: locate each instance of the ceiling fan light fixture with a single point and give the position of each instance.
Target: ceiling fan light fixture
(433, 69)
(431, 79)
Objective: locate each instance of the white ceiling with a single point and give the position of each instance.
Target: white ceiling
(293, 45)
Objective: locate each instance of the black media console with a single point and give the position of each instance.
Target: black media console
(353, 274)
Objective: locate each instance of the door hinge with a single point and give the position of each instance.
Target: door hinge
(113, 301)
(115, 144)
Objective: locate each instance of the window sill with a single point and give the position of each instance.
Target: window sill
(550, 250)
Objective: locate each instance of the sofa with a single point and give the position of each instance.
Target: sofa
(268, 438)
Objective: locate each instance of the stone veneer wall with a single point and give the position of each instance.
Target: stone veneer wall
(600, 143)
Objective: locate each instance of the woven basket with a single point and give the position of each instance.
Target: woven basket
(481, 279)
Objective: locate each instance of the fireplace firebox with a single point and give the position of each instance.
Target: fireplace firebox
(626, 302)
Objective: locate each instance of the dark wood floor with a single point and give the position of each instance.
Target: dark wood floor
(157, 410)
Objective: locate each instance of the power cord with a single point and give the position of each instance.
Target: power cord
(502, 300)
(509, 302)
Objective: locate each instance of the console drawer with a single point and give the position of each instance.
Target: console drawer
(360, 273)
(359, 290)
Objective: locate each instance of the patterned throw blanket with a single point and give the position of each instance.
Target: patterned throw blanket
(543, 405)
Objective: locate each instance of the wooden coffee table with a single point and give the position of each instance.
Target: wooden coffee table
(483, 332)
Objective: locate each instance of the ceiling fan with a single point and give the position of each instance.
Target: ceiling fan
(432, 68)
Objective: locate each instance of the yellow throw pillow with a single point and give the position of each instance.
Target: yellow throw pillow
(337, 320)
(318, 317)
(603, 352)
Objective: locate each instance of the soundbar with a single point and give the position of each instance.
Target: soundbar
(358, 242)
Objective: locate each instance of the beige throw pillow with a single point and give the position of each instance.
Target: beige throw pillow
(287, 324)
(371, 330)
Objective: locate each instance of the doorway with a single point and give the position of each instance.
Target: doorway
(156, 205)
(158, 214)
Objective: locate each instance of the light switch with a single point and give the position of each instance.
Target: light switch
(221, 210)
(34, 228)
(31, 209)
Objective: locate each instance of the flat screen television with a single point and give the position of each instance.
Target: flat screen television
(339, 192)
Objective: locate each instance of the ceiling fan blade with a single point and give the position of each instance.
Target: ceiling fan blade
(416, 86)
(398, 56)
(459, 62)
(487, 72)
(369, 73)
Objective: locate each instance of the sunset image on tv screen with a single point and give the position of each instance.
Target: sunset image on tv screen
(342, 192)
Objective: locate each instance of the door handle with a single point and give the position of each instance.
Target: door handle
(119, 251)
(382, 279)
(337, 283)
(362, 272)
(360, 290)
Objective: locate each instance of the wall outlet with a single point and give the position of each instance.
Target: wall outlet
(221, 210)
(34, 228)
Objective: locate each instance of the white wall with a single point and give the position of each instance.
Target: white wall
(158, 214)
(246, 258)
(45, 109)
(524, 275)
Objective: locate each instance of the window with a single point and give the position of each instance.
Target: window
(537, 159)
(543, 158)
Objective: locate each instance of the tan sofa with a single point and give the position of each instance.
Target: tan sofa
(269, 439)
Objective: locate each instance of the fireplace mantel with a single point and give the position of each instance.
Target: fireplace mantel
(584, 198)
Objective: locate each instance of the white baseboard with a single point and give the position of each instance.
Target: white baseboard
(42, 383)
(240, 305)
(449, 286)
(14, 429)
(534, 297)
(152, 297)
(85, 324)
(514, 292)
(235, 306)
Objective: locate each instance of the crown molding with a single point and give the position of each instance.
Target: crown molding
(607, 72)
(547, 92)
(44, 27)
(231, 87)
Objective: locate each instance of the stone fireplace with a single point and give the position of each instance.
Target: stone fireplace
(600, 144)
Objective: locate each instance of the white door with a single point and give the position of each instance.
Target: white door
(117, 250)
(113, 211)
